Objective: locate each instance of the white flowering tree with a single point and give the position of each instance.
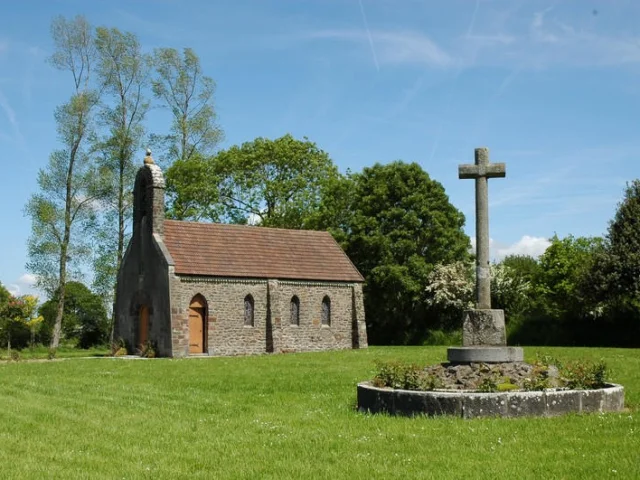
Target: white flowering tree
(451, 289)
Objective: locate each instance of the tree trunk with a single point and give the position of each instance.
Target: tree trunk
(121, 231)
(64, 247)
(57, 327)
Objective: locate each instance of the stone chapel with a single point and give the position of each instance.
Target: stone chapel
(214, 289)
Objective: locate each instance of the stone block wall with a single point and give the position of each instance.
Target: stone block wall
(310, 334)
(272, 330)
(226, 332)
(143, 280)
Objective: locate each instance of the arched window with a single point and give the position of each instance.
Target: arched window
(248, 311)
(326, 311)
(295, 310)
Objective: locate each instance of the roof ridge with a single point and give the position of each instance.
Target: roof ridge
(241, 226)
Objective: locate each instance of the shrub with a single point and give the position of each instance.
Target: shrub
(538, 380)
(15, 355)
(119, 348)
(507, 386)
(487, 385)
(585, 375)
(148, 350)
(51, 354)
(442, 337)
(404, 376)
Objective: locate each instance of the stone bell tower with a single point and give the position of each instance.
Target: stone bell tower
(148, 198)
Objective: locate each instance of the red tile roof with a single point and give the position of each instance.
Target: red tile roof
(215, 249)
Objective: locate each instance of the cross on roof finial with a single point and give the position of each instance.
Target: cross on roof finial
(148, 160)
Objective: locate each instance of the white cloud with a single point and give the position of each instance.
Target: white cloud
(253, 219)
(24, 285)
(11, 117)
(393, 47)
(368, 30)
(545, 44)
(527, 245)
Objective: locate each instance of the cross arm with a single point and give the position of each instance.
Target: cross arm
(493, 170)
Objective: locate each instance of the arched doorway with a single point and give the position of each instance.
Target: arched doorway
(197, 325)
(143, 325)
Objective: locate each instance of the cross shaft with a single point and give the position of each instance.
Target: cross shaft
(481, 171)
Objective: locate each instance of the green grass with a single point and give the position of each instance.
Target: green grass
(286, 416)
(41, 352)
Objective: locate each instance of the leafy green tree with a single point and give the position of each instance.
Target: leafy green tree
(274, 183)
(85, 318)
(564, 269)
(5, 315)
(623, 246)
(522, 267)
(193, 189)
(612, 282)
(180, 83)
(17, 319)
(335, 209)
(123, 72)
(63, 211)
(402, 225)
(5, 296)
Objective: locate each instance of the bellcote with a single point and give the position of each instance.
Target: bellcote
(148, 198)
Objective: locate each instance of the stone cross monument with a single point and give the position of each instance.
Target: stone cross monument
(483, 332)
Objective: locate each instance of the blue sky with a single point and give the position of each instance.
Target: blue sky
(551, 87)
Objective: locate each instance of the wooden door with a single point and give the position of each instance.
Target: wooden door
(196, 326)
(143, 325)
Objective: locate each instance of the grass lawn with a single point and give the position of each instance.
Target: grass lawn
(41, 352)
(286, 416)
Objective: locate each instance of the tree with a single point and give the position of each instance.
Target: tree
(5, 319)
(623, 246)
(193, 189)
(522, 267)
(274, 183)
(122, 69)
(560, 282)
(18, 319)
(63, 212)
(613, 282)
(402, 225)
(511, 290)
(85, 318)
(180, 83)
(450, 289)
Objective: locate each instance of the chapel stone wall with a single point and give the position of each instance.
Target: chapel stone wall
(272, 330)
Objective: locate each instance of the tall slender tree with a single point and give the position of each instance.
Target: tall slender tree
(123, 72)
(180, 83)
(64, 207)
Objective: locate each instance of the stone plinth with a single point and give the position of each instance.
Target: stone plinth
(485, 354)
(484, 339)
(483, 327)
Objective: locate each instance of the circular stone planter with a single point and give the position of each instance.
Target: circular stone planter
(467, 404)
